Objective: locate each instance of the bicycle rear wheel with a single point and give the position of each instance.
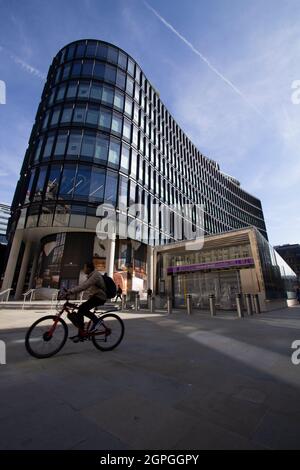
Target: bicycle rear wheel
(43, 340)
(110, 334)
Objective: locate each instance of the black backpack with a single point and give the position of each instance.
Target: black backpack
(110, 286)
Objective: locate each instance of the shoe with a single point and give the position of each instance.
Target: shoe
(95, 326)
(76, 338)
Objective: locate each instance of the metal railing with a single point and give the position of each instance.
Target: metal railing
(6, 293)
(29, 293)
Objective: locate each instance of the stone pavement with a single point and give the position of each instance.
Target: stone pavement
(175, 382)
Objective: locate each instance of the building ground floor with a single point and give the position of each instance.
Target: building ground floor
(224, 265)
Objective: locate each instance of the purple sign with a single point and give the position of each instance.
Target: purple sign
(231, 263)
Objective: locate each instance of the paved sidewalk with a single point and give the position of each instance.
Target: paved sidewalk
(175, 382)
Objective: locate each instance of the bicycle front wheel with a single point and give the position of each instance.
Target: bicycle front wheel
(110, 333)
(46, 337)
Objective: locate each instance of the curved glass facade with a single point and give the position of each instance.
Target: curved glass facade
(102, 134)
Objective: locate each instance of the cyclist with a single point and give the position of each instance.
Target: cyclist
(95, 291)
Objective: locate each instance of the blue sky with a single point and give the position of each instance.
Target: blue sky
(224, 71)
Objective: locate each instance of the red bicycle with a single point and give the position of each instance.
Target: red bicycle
(47, 336)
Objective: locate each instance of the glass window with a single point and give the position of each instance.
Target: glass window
(67, 182)
(84, 90)
(128, 106)
(83, 181)
(48, 147)
(116, 125)
(61, 143)
(38, 151)
(74, 144)
(30, 185)
(96, 92)
(112, 54)
(76, 69)
(40, 184)
(135, 136)
(91, 49)
(107, 95)
(87, 68)
(61, 93)
(67, 114)
(66, 71)
(129, 86)
(111, 185)
(71, 51)
(53, 183)
(126, 129)
(79, 114)
(92, 116)
(46, 119)
(88, 146)
(101, 149)
(130, 67)
(97, 185)
(80, 50)
(99, 70)
(119, 100)
(122, 60)
(105, 118)
(114, 153)
(125, 158)
(102, 51)
(120, 80)
(55, 117)
(123, 192)
(110, 73)
(72, 90)
(133, 166)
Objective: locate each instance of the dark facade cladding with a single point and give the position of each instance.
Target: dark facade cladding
(103, 134)
(291, 254)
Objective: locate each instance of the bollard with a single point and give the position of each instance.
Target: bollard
(249, 304)
(169, 305)
(137, 302)
(123, 305)
(256, 303)
(152, 303)
(212, 305)
(189, 304)
(239, 305)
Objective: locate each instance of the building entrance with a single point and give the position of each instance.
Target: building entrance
(223, 284)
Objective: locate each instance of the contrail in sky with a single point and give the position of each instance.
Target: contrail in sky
(204, 59)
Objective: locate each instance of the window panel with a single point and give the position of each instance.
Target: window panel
(97, 185)
(67, 114)
(48, 147)
(83, 181)
(66, 72)
(105, 118)
(80, 51)
(120, 80)
(72, 90)
(110, 73)
(112, 54)
(99, 70)
(122, 60)
(67, 182)
(129, 86)
(30, 187)
(53, 183)
(87, 68)
(101, 149)
(102, 51)
(76, 69)
(107, 95)
(96, 92)
(133, 166)
(119, 100)
(125, 158)
(114, 153)
(91, 49)
(126, 129)
(128, 106)
(38, 151)
(61, 93)
(116, 125)
(88, 146)
(40, 184)
(79, 114)
(74, 144)
(111, 186)
(130, 67)
(55, 117)
(60, 146)
(83, 90)
(92, 116)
